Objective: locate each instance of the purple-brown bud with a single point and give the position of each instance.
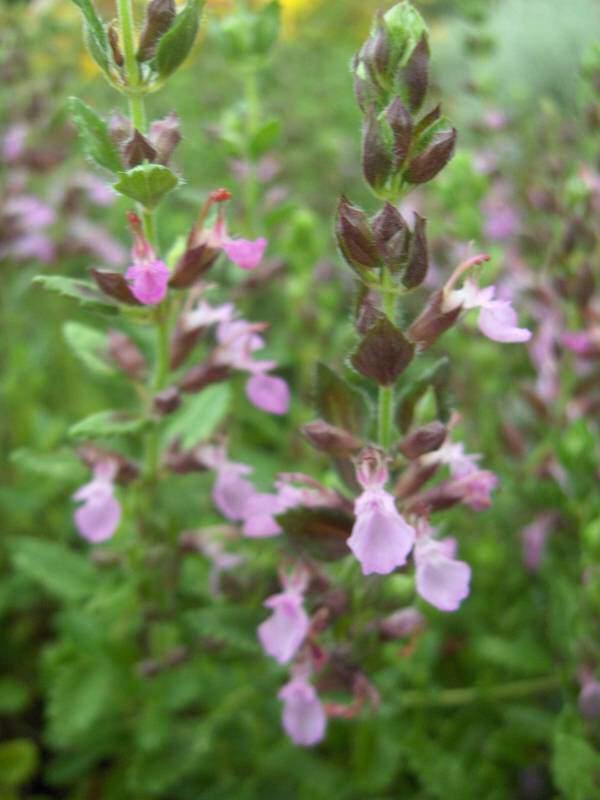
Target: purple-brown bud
(203, 375)
(355, 238)
(433, 159)
(432, 321)
(165, 135)
(423, 440)
(329, 439)
(377, 154)
(160, 15)
(384, 352)
(114, 285)
(167, 401)
(126, 354)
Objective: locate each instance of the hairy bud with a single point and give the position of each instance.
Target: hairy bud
(423, 440)
(330, 439)
(160, 15)
(355, 238)
(432, 321)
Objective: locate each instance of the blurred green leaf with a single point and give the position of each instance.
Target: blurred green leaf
(175, 45)
(90, 347)
(95, 34)
(340, 403)
(93, 130)
(107, 423)
(18, 762)
(200, 415)
(82, 291)
(62, 572)
(575, 763)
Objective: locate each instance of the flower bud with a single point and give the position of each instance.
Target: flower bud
(384, 352)
(114, 285)
(160, 15)
(415, 75)
(329, 439)
(182, 344)
(203, 375)
(393, 238)
(113, 40)
(165, 136)
(119, 128)
(432, 321)
(355, 238)
(400, 121)
(423, 440)
(167, 401)
(401, 624)
(433, 159)
(126, 354)
(377, 154)
(411, 480)
(192, 265)
(137, 150)
(92, 456)
(418, 258)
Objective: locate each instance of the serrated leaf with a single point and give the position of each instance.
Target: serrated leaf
(175, 45)
(339, 403)
(147, 184)
(95, 137)
(18, 762)
(107, 423)
(62, 572)
(96, 38)
(322, 532)
(383, 353)
(82, 291)
(200, 415)
(90, 346)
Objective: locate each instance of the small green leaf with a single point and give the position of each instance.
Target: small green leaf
(107, 423)
(339, 403)
(200, 415)
(82, 291)
(435, 376)
(265, 137)
(575, 762)
(95, 137)
(61, 571)
(147, 184)
(322, 532)
(18, 762)
(62, 466)
(95, 34)
(175, 45)
(90, 347)
(14, 696)
(267, 27)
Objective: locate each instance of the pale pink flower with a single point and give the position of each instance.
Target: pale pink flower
(440, 579)
(99, 516)
(231, 491)
(475, 488)
(585, 344)
(589, 697)
(245, 253)
(286, 629)
(304, 717)
(13, 143)
(453, 455)
(497, 318)
(534, 537)
(268, 393)
(381, 539)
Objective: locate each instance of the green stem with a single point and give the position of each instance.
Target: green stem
(459, 697)
(137, 112)
(386, 393)
(251, 185)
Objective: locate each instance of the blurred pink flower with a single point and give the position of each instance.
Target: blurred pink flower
(283, 633)
(534, 537)
(497, 318)
(99, 516)
(245, 253)
(304, 717)
(475, 488)
(268, 393)
(440, 579)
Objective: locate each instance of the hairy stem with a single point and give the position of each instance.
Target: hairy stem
(386, 393)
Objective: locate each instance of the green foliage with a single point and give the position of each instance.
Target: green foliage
(107, 423)
(82, 291)
(147, 184)
(175, 45)
(95, 34)
(62, 572)
(93, 130)
(90, 346)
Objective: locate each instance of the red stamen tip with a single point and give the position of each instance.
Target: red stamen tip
(220, 195)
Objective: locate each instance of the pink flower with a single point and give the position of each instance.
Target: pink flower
(99, 516)
(582, 343)
(475, 488)
(231, 492)
(304, 718)
(440, 578)
(283, 633)
(589, 698)
(381, 539)
(149, 279)
(453, 455)
(259, 515)
(149, 276)
(497, 318)
(245, 253)
(268, 393)
(533, 539)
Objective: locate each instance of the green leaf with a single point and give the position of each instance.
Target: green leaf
(14, 696)
(267, 27)
(339, 403)
(201, 415)
(575, 762)
(265, 137)
(90, 347)
(107, 423)
(147, 184)
(435, 376)
(95, 34)
(175, 45)
(61, 467)
(95, 137)
(82, 291)
(62, 572)
(322, 532)
(18, 762)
